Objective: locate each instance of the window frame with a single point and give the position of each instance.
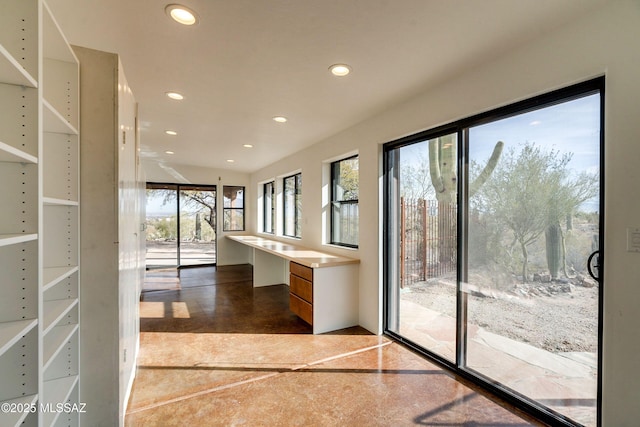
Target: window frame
(233, 208)
(297, 209)
(271, 212)
(391, 239)
(333, 202)
(178, 188)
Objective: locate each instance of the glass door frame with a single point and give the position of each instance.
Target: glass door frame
(178, 188)
(391, 240)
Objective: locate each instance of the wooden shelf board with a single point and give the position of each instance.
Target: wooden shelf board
(12, 72)
(54, 275)
(55, 43)
(11, 332)
(16, 418)
(14, 155)
(12, 239)
(52, 201)
(55, 310)
(57, 391)
(55, 341)
(54, 122)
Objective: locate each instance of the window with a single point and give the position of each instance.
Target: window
(293, 205)
(233, 208)
(268, 207)
(344, 202)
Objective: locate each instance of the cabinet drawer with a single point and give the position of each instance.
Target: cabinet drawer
(301, 308)
(302, 288)
(301, 271)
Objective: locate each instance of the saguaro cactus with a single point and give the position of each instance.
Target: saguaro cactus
(554, 240)
(442, 168)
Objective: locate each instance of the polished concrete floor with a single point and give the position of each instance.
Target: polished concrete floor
(215, 351)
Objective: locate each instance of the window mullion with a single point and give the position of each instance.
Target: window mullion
(462, 230)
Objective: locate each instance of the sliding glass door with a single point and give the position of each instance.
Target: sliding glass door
(197, 225)
(181, 225)
(424, 288)
(162, 226)
(493, 223)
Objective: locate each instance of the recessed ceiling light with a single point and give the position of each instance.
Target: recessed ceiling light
(175, 95)
(248, 146)
(181, 14)
(171, 132)
(340, 70)
(169, 152)
(230, 161)
(280, 119)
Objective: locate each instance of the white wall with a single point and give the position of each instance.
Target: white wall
(605, 42)
(228, 253)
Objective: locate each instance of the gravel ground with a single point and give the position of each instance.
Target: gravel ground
(552, 316)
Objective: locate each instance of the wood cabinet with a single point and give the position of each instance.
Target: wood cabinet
(301, 291)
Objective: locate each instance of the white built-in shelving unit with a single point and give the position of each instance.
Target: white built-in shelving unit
(39, 217)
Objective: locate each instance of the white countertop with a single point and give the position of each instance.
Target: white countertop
(298, 254)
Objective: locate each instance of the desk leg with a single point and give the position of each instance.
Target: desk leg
(335, 298)
(269, 269)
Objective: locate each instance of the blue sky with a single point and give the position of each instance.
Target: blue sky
(156, 208)
(570, 127)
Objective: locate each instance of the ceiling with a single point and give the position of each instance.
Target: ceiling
(247, 61)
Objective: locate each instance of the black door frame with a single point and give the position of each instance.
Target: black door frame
(391, 238)
(178, 187)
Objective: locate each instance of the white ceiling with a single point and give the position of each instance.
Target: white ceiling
(250, 60)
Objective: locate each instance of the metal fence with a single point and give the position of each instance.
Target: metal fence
(428, 240)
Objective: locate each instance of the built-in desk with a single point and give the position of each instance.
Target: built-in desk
(323, 287)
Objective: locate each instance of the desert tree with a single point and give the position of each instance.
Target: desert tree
(529, 193)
